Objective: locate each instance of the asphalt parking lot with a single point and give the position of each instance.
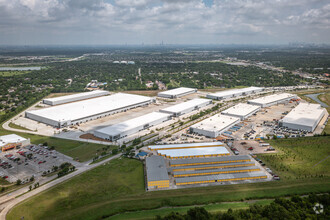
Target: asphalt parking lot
(32, 160)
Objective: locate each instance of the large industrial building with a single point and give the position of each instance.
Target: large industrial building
(232, 93)
(83, 111)
(75, 97)
(12, 141)
(185, 146)
(175, 93)
(186, 107)
(194, 152)
(157, 176)
(241, 110)
(214, 126)
(272, 99)
(124, 129)
(305, 116)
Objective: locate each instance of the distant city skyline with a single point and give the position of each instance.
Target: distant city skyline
(119, 22)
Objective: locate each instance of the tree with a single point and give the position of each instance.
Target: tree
(18, 182)
(114, 151)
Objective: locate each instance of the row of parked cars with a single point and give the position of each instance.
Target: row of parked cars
(275, 177)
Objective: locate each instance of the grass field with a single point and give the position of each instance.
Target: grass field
(12, 125)
(118, 187)
(12, 73)
(326, 99)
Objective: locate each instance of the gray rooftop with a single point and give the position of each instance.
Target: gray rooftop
(156, 168)
(206, 166)
(215, 170)
(219, 177)
(209, 159)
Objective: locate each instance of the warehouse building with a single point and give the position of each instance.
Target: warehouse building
(212, 166)
(124, 129)
(91, 109)
(157, 176)
(272, 99)
(220, 178)
(185, 146)
(232, 93)
(305, 116)
(241, 110)
(186, 107)
(214, 126)
(206, 172)
(12, 141)
(175, 93)
(75, 97)
(194, 152)
(210, 160)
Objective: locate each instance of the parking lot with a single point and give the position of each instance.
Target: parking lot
(32, 160)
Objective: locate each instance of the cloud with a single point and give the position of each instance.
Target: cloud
(174, 21)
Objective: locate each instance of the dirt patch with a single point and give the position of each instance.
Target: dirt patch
(90, 136)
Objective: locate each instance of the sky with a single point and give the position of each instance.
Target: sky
(117, 22)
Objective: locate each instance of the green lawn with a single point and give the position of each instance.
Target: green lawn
(12, 125)
(4, 182)
(118, 187)
(12, 73)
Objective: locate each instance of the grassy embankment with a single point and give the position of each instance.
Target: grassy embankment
(326, 99)
(118, 186)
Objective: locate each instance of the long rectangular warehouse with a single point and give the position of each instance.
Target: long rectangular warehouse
(305, 116)
(272, 99)
(215, 171)
(212, 166)
(241, 110)
(157, 176)
(123, 129)
(186, 107)
(184, 146)
(209, 160)
(214, 126)
(79, 112)
(194, 152)
(75, 97)
(220, 178)
(232, 93)
(175, 93)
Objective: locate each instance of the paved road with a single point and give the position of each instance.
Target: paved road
(14, 201)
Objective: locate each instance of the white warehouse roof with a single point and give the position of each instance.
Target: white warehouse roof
(232, 92)
(193, 152)
(177, 91)
(132, 123)
(189, 145)
(217, 122)
(272, 98)
(305, 114)
(241, 110)
(186, 105)
(10, 138)
(83, 109)
(75, 97)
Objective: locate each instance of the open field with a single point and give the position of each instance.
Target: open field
(12, 73)
(119, 187)
(77, 150)
(12, 125)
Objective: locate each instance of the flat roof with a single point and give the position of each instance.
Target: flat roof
(209, 160)
(191, 152)
(216, 123)
(236, 91)
(215, 170)
(89, 107)
(304, 114)
(219, 177)
(212, 165)
(132, 123)
(10, 138)
(156, 168)
(177, 91)
(272, 98)
(241, 109)
(189, 145)
(186, 105)
(78, 95)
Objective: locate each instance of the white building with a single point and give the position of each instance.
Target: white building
(75, 97)
(241, 110)
(91, 109)
(185, 146)
(232, 93)
(305, 116)
(194, 152)
(132, 126)
(186, 107)
(175, 93)
(272, 99)
(215, 125)
(11, 141)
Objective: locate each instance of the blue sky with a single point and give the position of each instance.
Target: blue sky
(32, 22)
